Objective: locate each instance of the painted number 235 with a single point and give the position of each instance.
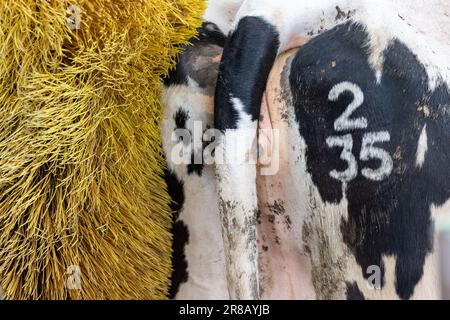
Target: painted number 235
(368, 149)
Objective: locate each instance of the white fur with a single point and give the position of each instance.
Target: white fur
(222, 13)
(441, 214)
(419, 24)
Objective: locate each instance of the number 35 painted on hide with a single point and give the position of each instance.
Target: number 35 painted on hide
(368, 150)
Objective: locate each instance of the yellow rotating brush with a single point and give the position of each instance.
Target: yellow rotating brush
(83, 209)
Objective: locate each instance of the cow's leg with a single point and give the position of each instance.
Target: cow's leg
(248, 56)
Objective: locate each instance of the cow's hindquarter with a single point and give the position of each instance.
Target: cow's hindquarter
(198, 259)
(373, 167)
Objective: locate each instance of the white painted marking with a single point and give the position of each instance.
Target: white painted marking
(422, 148)
(344, 122)
(346, 142)
(368, 151)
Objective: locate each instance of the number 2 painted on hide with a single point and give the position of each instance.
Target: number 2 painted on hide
(368, 151)
(344, 122)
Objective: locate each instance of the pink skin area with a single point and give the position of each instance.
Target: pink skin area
(285, 270)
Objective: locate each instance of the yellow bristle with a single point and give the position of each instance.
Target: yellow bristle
(80, 153)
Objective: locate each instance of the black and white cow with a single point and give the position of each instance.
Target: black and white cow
(198, 259)
(362, 112)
